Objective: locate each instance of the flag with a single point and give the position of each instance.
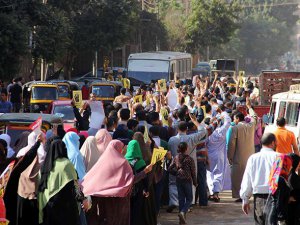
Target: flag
(36, 125)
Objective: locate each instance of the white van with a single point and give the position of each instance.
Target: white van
(147, 66)
(287, 105)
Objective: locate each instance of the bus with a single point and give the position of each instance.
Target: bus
(143, 68)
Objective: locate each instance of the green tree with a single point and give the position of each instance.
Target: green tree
(211, 23)
(173, 15)
(264, 35)
(153, 32)
(13, 45)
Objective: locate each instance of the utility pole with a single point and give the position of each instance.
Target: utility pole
(96, 63)
(43, 62)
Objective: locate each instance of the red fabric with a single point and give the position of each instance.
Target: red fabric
(72, 130)
(2, 211)
(84, 133)
(85, 93)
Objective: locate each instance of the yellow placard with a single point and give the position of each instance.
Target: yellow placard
(164, 116)
(162, 85)
(126, 83)
(241, 78)
(158, 155)
(138, 99)
(204, 110)
(77, 97)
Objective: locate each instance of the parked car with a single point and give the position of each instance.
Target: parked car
(64, 110)
(14, 124)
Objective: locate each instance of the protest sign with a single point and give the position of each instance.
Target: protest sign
(97, 115)
(138, 99)
(77, 97)
(158, 155)
(4, 178)
(162, 85)
(36, 125)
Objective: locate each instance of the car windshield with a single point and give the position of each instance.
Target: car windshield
(44, 93)
(64, 111)
(104, 91)
(63, 91)
(147, 70)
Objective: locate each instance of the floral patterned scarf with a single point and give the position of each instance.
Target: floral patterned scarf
(281, 167)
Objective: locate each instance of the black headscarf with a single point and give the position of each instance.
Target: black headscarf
(55, 149)
(294, 179)
(60, 131)
(81, 140)
(295, 159)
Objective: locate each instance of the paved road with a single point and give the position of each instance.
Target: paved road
(223, 213)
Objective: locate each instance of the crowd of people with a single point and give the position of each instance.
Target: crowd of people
(101, 172)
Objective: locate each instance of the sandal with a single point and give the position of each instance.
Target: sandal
(216, 197)
(210, 198)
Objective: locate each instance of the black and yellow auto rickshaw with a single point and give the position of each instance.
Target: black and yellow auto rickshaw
(65, 89)
(106, 91)
(14, 124)
(37, 96)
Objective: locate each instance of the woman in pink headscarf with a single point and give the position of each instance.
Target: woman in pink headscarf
(102, 139)
(109, 182)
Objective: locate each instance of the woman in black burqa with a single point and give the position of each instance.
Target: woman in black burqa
(294, 182)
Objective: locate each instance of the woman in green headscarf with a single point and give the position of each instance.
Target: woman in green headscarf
(134, 156)
(58, 203)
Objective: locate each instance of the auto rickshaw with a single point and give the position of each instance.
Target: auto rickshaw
(14, 124)
(65, 89)
(37, 95)
(106, 91)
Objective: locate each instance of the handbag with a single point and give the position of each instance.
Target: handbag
(175, 165)
(173, 168)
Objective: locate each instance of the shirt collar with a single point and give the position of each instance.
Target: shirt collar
(281, 128)
(266, 149)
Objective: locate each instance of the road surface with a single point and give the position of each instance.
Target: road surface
(223, 213)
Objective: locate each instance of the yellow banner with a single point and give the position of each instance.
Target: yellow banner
(162, 84)
(158, 155)
(77, 97)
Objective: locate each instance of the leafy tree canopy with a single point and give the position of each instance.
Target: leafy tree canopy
(211, 23)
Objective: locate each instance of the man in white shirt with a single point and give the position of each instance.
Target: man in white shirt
(256, 176)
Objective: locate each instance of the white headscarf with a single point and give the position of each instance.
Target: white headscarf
(31, 141)
(7, 139)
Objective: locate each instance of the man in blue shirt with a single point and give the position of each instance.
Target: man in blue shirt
(5, 106)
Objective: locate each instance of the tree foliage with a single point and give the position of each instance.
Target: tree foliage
(211, 23)
(264, 35)
(58, 30)
(173, 16)
(13, 44)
